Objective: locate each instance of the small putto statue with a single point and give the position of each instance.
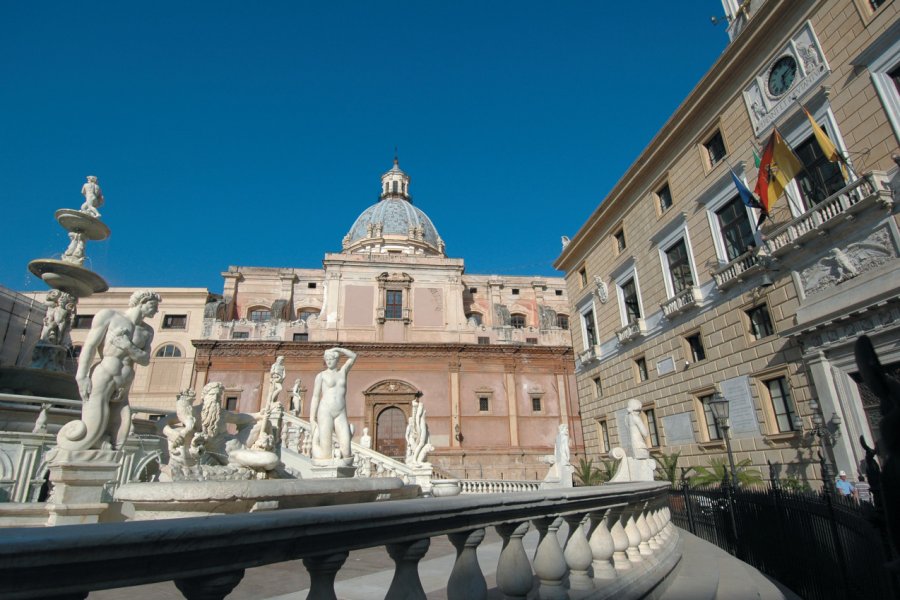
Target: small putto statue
(59, 317)
(93, 197)
(75, 252)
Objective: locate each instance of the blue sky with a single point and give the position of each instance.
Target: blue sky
(254, 133)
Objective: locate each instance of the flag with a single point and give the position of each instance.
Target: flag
(756, 158)
(828, 148)
(776, 169)
(746, 195)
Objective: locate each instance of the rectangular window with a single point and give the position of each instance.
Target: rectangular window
(737, 233)
(630, 298)
(562, 321)
(782, 404)
(640, 365)
(174, 322)
(679, 267)
(715, 149)
(531, 340)
(231, 403)
(517, 321)
(484, 341)
(820, 177)
(760, 322)
(558, 292)
(598, 387)
(650, 417)
(473, 290)
(484, 404)
(393, 304)
(620, 240)
(582, 274)
(515, 291)
(712, 426)
(664, 197)
(535, 404)
(604, 435)
(240, 335)
(83, 321)
(695, 347)
(590, 329)
(311, 285)
(301, 337)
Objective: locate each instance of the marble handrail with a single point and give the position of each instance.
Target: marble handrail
(623, 531)
(497, 486)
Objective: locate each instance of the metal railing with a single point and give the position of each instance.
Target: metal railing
(620, 544)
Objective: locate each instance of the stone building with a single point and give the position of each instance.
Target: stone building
(490, 357)
(675, 293)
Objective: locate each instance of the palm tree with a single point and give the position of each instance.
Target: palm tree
(718, 470)
(587, 474)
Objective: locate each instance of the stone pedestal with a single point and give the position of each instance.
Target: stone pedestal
(332, 471)
(423, 474)
(79, 478)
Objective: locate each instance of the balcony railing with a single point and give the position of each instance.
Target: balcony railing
(620, 543)
(591, 354)
(632, 331)
(737, 270)
(497, 486)
(872, 189)
(682, 301)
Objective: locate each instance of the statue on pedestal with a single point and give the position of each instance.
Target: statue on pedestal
(561, 471)
(635, 463)
(93, 197)
(59, 317)
(276, 379)
(418, 438)
(328, 408)
(297, 397)
(122, 341)
(75, 252)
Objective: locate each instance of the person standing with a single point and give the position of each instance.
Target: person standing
(845, 487)
(863, 490)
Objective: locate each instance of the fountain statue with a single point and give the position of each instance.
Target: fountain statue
(561, 470)
(418, 438)
(328, 410)
(635, 463)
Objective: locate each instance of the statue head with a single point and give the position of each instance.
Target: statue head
(92, 178)
(564, 429)
(634, 406)
(148, 302)
(212, 392)
(279, 359)
(331, 358)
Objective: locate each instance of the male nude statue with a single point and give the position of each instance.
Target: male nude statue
(93, 197)
(328, 410)
(121, 340)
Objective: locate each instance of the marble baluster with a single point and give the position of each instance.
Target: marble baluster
(514, 576)
(653, 524)
(643, 528)
(209, 587)
(601, 544)
(406, 584)
(618, 517)
(578, 553)
(322, 571)
(549, 561)
(466, 579)
(634, 536)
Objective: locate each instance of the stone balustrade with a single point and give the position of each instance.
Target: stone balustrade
(871, 190)
(497, 486)
(682, 301)
(620, 543)
(592, 353)
(633, 330)
(737, 270)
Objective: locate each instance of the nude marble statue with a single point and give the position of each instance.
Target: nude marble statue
(328, 407)
(122, 341)
(93, 197)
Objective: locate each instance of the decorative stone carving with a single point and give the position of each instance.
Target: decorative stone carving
(846, 263)
(328, 409)
(122, 341)
(75, 252)
(183, 452)
(59, 317)
(93, 197)
(40, 424)
(298, 392)
(601, 290)
(418, 438)
(276, 380)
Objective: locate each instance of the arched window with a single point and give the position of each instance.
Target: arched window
(259, 315)
(562, 321)
(517, 321)
(169, 351)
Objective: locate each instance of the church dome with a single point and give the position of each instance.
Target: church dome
(393, 225)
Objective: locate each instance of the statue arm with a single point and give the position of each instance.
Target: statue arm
(351, 358)
(141, 355)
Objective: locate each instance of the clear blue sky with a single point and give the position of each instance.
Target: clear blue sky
(254, 133)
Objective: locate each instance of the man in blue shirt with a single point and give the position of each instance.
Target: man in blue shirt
(843, 486)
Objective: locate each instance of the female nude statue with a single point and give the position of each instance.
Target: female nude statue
(328, 409)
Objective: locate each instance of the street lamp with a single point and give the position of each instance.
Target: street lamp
(825, 434)
(719, 407)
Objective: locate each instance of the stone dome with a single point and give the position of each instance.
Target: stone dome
(393, 224)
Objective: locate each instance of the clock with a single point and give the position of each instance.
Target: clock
(782, 74)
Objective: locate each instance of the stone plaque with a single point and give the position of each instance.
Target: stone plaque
(741, 412)
(665, 366)
(679, 429)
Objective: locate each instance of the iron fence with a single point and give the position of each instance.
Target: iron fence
(821, 546)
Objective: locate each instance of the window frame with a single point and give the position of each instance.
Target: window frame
(83, 321)
(258, 309)
(597, 386)
(162, 348)
(586, 333)
(559, 318)
(603, 434)
(393, 304)
(518, 320)
(648, 414)
(712, 162)
(620, 244)
(689, 353)
(167, 318)
(641, 370)
(629, 274)
(661, 206)
(789, 404)
(719, 194)
(484, 393)
(749, 324)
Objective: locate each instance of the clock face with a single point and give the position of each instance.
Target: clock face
(782, 75)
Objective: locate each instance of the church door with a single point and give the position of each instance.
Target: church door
(390, 433)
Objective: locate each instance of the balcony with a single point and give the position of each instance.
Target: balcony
(632, 331)
(684, 300)
(591, 354)
(872, 190)
(738, 270)
(620, 543)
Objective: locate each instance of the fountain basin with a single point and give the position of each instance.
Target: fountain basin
(68, 277)
(178, 499)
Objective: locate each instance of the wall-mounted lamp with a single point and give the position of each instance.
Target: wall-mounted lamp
(458, 435)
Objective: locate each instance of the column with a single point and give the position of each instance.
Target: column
(512, 408)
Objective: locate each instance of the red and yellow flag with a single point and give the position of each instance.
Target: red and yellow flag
(778, 166)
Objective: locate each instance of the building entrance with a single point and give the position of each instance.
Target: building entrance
(390, 438)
